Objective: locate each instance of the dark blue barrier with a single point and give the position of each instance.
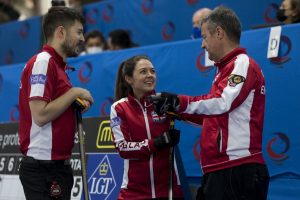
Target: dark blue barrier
(148, 21)
(151, 22)
(180, 70)
(19, 40)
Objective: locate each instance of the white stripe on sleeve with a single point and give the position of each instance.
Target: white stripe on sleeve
(39, 70)
(222, 104)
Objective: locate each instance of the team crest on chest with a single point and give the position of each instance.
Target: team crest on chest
(157, 118)
(234, 80)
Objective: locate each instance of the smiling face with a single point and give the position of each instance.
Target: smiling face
(143, 79)
(73, 40)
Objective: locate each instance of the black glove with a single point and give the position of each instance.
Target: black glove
(167, 139)
(167, 102)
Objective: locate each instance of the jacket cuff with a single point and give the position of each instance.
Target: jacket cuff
(183, 102)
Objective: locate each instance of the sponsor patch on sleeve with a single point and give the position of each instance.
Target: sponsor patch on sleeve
(115, 122)
(234, 80)
(38, 79)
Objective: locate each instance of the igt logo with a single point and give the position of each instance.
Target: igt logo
(102, 181)
(278, 146)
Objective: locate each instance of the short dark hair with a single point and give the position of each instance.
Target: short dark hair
(95, 34)
(121, 38)
(227, 20)
(60, 16)
(122, 88)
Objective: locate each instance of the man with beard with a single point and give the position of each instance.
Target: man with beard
(47, 119)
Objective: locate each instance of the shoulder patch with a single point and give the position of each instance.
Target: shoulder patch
(38, 79)
(115, 122)
(234, 80)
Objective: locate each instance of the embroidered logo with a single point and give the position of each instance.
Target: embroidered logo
(157, 118)
(234, 80)
(38, 79)
(55, 190)
(115, 122)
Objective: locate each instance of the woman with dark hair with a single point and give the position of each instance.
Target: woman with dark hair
(142, 137)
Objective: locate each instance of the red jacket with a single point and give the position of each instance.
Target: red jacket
(233, 114)
(44, 78)
(146, 170)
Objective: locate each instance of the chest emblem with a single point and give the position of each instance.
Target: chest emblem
(157, 118)
(234, 80)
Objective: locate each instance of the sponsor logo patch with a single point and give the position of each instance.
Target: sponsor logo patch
(115, 122)
(38, 79)
(234, 80)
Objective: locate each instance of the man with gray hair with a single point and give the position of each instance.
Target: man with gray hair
(231, 115)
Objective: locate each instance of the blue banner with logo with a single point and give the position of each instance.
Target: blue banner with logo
(148, 22)
(151, 22)
(21, 39)
(104, 176)
(180, 69)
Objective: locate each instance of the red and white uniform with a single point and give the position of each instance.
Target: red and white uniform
(233, 113)
(44, 78)
(146, 170)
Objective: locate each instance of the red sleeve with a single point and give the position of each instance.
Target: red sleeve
(128, 149)
(226, 94)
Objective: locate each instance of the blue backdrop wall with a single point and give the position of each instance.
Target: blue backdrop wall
(20, 40)
(151, 21)
(148, 21)
(180, 70)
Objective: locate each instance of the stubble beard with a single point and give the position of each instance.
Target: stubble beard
(68, 49)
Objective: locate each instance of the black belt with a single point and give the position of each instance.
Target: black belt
(29, 159)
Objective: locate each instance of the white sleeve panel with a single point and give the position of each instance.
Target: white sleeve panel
(39, 75)
(116, 129)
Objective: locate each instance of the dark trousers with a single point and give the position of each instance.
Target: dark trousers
(46, 180)
(244, 182)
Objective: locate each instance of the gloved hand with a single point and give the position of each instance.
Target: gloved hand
(167, 139)
(167, 102)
